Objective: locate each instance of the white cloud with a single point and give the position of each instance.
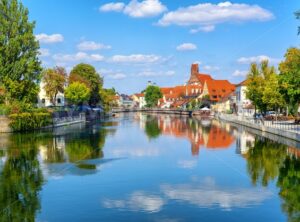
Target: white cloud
(138, 201)
(206, 15)
(257, 59)
(149, 73)
(91, 46)
(116, 76)
(207, 28)
(186, 47)
(136, 58)
(211, 68)
(78, 57)
(136, 9)
(238, 73)
(44, 52)
(187, 164)
(112, 7)
(44, 38)
(146, 8)
(210, 195)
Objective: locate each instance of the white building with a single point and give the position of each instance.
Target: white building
(44, 101)
(244, 105)
(139, 99)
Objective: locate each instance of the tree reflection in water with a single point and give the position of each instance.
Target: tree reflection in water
(21, 176)
(268, 161)
(21, 180)
(289, 184)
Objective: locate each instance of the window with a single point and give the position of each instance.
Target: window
(59, 101)
(43, 101)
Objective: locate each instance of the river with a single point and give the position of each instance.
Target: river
(140, 167)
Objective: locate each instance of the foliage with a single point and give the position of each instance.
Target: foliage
(19, 64)
(152, 95)
(271, 93)
(21, 179)
(298, 17)
(263, 87)
(77, 93)
(151, 128)
(54, 82)
(107, 98)
(289, 184)
(264, 160)
(4, 110)
(29, 121)
(86, 74)
(290, 77)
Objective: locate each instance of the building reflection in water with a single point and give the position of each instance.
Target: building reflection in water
(201, 133)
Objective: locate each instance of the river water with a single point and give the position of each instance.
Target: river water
(141, 167)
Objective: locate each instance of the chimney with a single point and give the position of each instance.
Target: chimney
(194, 69)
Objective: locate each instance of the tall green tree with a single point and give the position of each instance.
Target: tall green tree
(88, 75)
(54, 82)
(290, 78)
(20, 67)
(77, 93)
(298, 17)
(255, 86)
(107, 97)
(272, 96)
(152, 95)
(263, 87)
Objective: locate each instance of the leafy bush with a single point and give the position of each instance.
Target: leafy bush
(30, 121)
(4, 110)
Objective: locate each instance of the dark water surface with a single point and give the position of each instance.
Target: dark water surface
(148, 168)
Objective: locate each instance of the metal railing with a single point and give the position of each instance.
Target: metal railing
(289, 125)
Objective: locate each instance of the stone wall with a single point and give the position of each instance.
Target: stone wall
(4, 125)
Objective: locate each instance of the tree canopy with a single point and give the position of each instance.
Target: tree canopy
(263, 87)
(54, 82)
(77, 93)
(87, 74)
(20, 67)
(152, 95)
(298, 17)
(290, 77)
(107, 98)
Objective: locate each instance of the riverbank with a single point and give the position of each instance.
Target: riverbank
(288, 131)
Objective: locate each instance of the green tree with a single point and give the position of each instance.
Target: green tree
(298, 17)
(272, 96)
(152, 95)
(20, 67)
(290, 78)
(54, 82)
(87, 74)
(77, 93)
(255, 86)
(107, 98)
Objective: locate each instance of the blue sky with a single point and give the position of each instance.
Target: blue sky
(131, 42)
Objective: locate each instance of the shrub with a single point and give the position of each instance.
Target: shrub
(4, 110)
(30, 121)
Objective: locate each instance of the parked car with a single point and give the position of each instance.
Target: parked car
(270, 113)
(258, 115)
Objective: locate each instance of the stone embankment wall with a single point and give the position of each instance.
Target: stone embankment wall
(4, 125)
(293, 135)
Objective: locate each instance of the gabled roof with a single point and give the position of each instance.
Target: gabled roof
(218, 89)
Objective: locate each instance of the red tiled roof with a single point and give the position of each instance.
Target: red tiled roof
(219, 89)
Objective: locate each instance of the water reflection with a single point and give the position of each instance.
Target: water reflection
(21, 180)
(151, 179)
(206, 133)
